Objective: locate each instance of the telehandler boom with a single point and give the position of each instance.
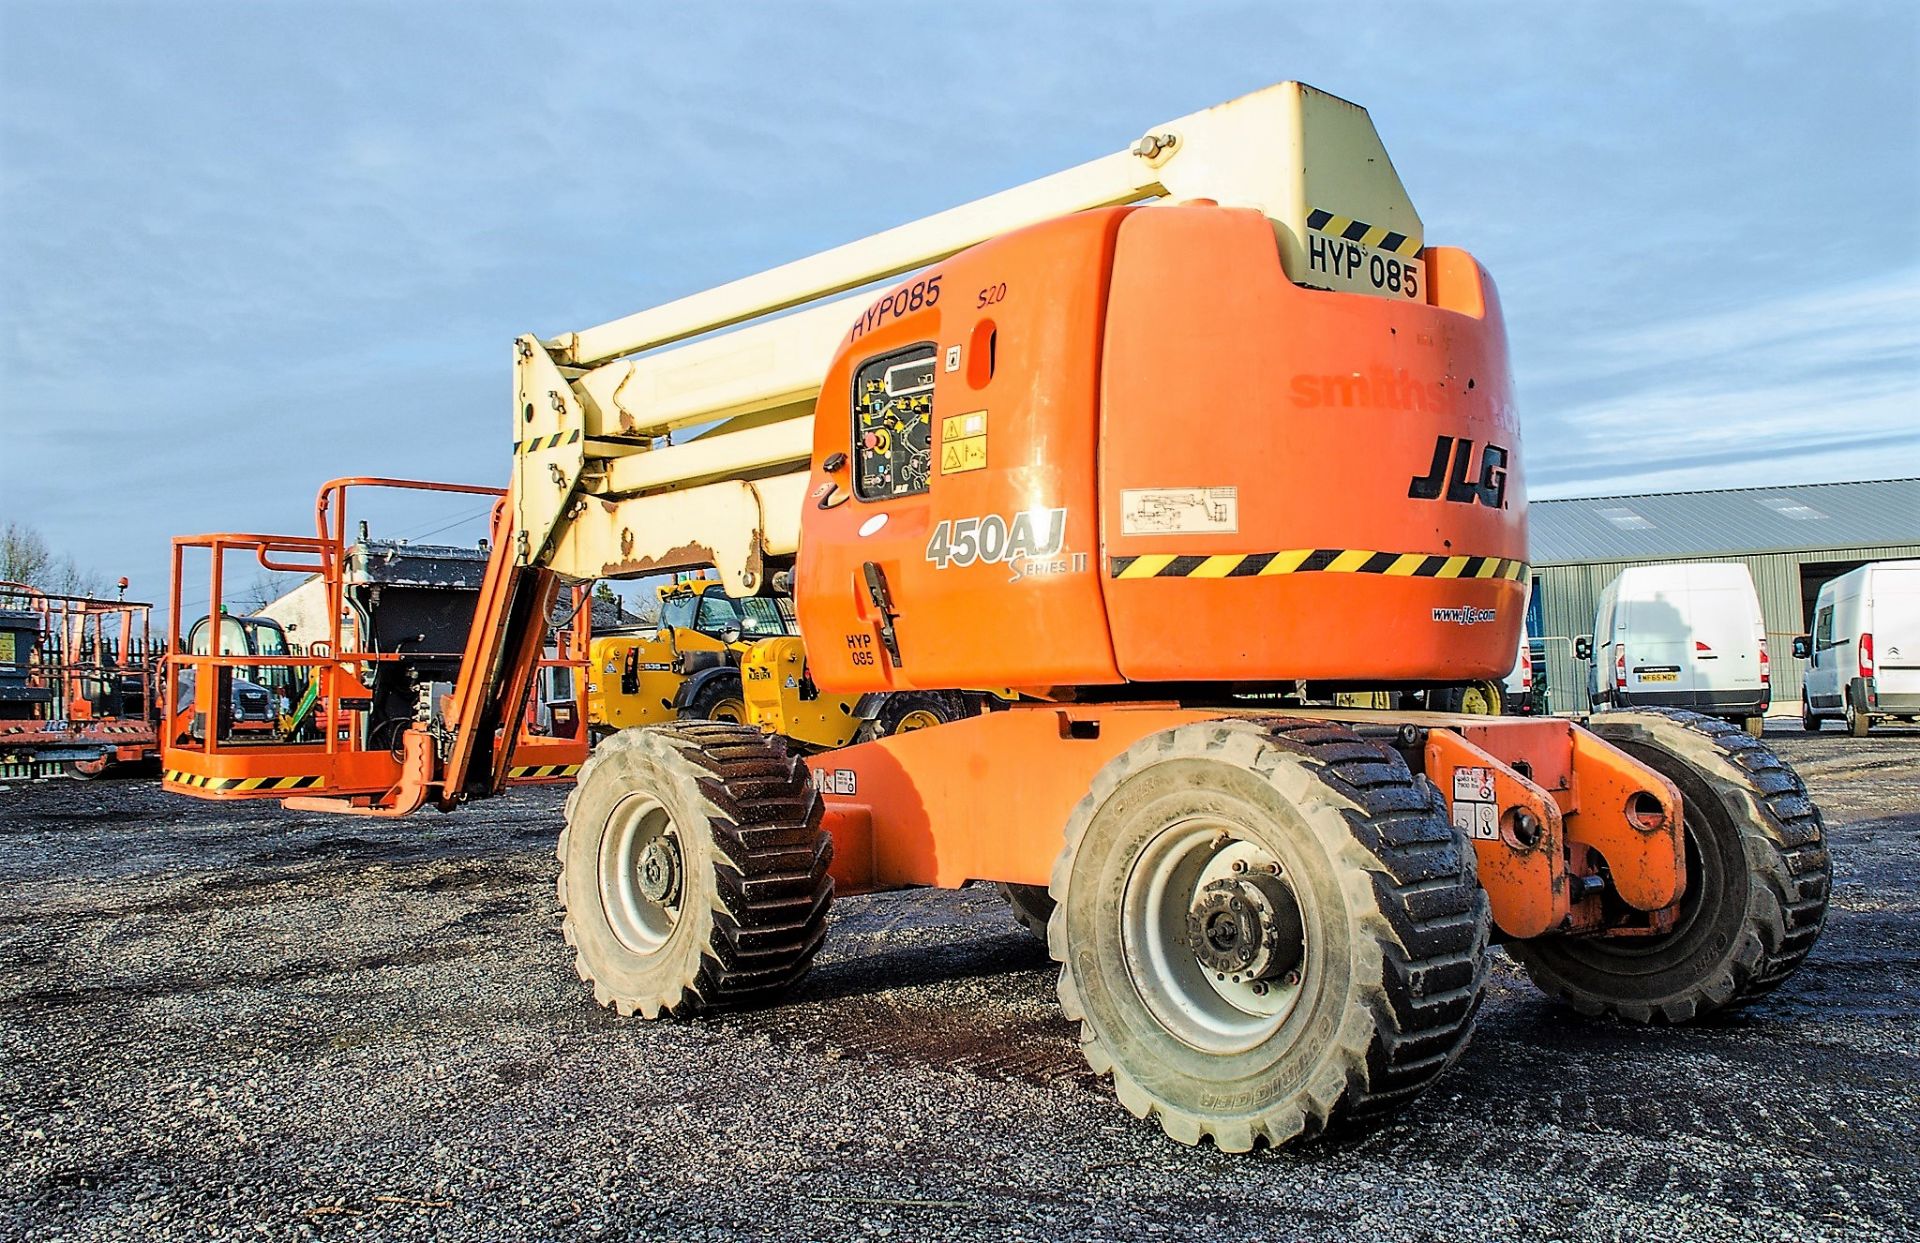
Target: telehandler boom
(1185, 446)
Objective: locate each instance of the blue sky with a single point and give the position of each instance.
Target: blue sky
(248, 246)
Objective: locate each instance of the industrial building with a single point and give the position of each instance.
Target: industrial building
(1792, 540)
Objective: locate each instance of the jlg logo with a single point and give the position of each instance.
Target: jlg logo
(1452, 460)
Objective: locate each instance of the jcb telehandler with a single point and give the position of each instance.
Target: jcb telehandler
(711, 657)
(686, 666)
(1184, 444)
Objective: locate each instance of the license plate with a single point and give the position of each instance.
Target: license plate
(1660, 677)
(1372, 260)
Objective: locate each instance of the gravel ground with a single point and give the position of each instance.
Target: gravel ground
(238, 1022)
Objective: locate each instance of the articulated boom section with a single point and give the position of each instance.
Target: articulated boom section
(640, 450)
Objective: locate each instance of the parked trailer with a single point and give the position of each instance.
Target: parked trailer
(77, 687)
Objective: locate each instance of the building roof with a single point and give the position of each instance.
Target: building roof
(1731, 522)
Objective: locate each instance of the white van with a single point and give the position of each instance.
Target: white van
(1863, 657)
(1521, 693)
(1681, 636)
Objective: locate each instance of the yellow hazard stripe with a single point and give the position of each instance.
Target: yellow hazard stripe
(528, 772)
(537, 443)
(1377, 236)
(1315, 561)
(201, 781)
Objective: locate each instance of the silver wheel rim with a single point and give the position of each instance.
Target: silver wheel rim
(1205, 1009)
(639, 830)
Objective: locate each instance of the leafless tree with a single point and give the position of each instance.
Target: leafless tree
(266, 587)
(25, 557)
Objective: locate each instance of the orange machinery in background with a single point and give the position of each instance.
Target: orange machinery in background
(76, 683)
(368, 689)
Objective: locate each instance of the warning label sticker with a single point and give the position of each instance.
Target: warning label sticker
(1179, 511)
(1476, 811)
(963, 442)
(835, 781)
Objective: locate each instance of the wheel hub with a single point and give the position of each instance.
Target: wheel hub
(659, 871)
(1246, 928)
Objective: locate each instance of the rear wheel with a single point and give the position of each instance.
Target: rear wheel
(1266, 929)
(1755, 726)
(1473, 699)
(1757, 882)
(719, 698)
(903, 712)
(693, 869)
(1032, 906)
(1808, 721)
(1858, 722)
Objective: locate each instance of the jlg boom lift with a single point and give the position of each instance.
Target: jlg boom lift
(1181, 444)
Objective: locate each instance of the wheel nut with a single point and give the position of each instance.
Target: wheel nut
(1239, 865)
(1259, 988)
(1293, 979)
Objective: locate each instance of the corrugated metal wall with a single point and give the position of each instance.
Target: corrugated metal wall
(1569, 592)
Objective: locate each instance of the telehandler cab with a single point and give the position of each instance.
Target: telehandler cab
(1183, 444)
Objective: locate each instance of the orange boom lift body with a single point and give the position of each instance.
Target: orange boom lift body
(1226, 491)
(1166, 345)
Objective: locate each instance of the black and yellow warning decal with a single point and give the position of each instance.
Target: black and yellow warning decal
(1377, 236)
(531, 772)
(199, 781)
(1315, 561)
(554, 441)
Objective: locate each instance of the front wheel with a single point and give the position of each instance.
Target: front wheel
(719, 698)
(1808, 721)
(1266, 929)
(693, 869)
(1757, 882)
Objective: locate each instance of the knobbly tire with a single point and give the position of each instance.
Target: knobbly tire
(1267, 929)
(1757, 882)
(693, 869)
(1032, 906)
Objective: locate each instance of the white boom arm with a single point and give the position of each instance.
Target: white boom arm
(601, 489)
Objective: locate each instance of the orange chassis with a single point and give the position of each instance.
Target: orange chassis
(1568, 811)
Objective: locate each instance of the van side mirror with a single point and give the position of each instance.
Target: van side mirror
(1802, 646)
(1583, 647)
